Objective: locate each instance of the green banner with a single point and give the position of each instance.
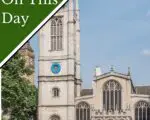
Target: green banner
(20, 20)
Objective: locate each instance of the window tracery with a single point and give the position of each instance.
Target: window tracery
(112, 96)
(142, 111)
(83, 111)
(55, 117)
(56, 34)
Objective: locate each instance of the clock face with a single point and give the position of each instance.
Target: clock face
(55, 68)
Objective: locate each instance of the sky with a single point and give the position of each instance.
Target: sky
(113, 32)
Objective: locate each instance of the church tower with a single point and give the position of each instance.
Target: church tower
(59, 64)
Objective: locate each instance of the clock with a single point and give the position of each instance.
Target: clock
(55, 68)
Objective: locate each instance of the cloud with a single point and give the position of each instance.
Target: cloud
(148, 13)
(146, 52)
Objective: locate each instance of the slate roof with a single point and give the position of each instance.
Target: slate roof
(142, 90)
(139, 90)
(85, 92)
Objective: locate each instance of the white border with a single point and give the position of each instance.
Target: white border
(33, 32)
(0, 94)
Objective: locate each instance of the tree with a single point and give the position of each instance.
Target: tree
(19, 97)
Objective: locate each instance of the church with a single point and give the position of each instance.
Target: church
(113, 95)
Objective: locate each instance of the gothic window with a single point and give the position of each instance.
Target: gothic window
(142, 111)
(56, 34)
(83, 111)
(112, 96)
(55, 92)
(55, 117)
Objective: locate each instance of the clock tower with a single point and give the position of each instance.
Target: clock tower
(59, 64)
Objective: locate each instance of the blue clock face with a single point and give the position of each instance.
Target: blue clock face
(55, 68)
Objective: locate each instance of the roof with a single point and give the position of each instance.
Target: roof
(142, 90)
(139, 90)
(85, 92)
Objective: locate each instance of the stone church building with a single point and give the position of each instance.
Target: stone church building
(61, 97)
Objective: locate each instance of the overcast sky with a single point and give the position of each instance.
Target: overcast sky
(114, 32)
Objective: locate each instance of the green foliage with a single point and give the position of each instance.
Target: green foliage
(18, 95)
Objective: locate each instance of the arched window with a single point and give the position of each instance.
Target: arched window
(112, 96)
(83, 111)
(142, 111)
(55, 117)
(56, 34)
(55, 92)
